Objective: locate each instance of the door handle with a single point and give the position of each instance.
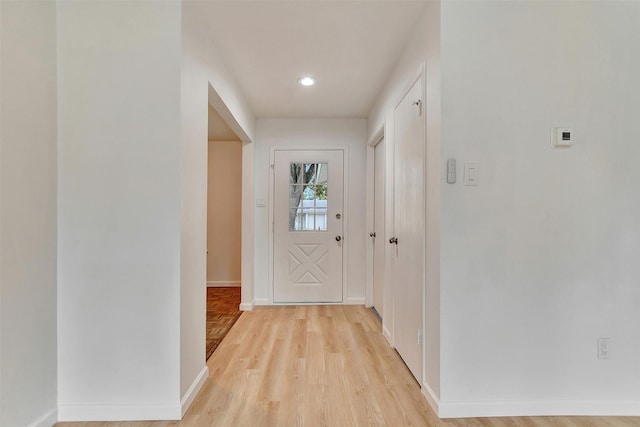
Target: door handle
(338, 238)
(372, 234)
(393, 240)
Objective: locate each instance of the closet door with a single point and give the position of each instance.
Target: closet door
(408, 249)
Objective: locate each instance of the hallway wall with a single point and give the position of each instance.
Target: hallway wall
(119, 210)
(203, 71)
(540, 259)
(224, 213)
(28, 309)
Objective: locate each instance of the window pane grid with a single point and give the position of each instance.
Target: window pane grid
(308, 197)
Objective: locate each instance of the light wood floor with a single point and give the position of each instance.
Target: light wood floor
(321, 366)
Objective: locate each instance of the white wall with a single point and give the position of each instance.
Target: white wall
(224, 213)
(540, 259)
(423, 47)
(119, 210)
(203, 71)
(28, 213)
(313, 133)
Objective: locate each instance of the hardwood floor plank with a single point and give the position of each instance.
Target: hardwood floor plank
(313, 366)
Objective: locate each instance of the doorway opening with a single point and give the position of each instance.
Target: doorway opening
(224, 225)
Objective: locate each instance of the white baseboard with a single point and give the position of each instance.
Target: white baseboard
(537, 408)
(193, 390)
(432, 397)
(247, 306)
(387, 335)
(46, 420)
(223, 284)
(141, 412)
(349, 301)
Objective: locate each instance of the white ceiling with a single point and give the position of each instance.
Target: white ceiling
(350, 47)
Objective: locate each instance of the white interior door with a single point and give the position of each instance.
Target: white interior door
(378, 226)
(308, 215)
(409, 228)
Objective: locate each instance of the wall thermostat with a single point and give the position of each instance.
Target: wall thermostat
(562, 137)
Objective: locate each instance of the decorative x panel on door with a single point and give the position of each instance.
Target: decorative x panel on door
(307, 264)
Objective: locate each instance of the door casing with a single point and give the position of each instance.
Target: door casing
(379, 228)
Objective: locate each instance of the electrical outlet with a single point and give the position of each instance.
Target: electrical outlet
(603, 348)
(419, 336)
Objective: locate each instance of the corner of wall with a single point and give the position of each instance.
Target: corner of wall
(194, 388)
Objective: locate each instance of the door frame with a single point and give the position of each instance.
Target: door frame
(345, 210)
(371, 146)
(247, 215)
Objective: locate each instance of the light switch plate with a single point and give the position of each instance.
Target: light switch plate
(471, 173)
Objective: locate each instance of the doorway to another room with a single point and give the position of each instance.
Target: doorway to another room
(224, 220)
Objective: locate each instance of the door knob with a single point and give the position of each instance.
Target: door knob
(393, 240)
(338, 238)
(372, 234)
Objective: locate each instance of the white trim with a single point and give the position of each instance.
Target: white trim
(345, 224)
(345, 213)
(262, 301)
(432, 397)
(125, 412)
(376, 137)
(46, 420)
(370, 209)
(423, 96)
(271, 230)
(218, 104)
(370, 203)
(247, 306)
(533, 408)
(247, 226)
(355, 301)
(223, 284)
(283, 304)
(388, 293)
(193, 390)
(387, 335)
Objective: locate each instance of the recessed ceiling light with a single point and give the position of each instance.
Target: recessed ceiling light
(307, 81)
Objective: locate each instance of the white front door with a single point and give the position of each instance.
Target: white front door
(307, 226)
